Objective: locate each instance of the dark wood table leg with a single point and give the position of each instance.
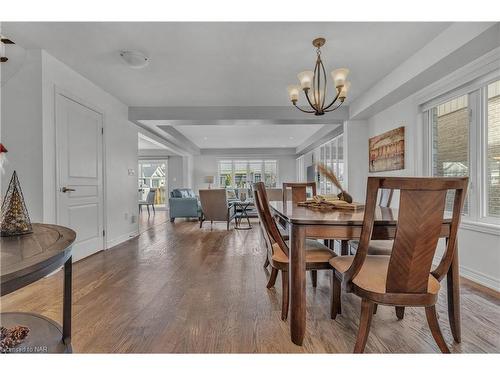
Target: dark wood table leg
(344, 247)
(68, 271)
(297, 284)
(453, 292)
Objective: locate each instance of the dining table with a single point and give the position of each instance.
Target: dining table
(344, 225)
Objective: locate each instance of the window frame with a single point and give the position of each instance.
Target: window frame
(476, 91)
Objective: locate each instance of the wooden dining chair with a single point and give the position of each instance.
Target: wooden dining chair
(377, 247)
(404, 278)
(317, 255)
(298, 191)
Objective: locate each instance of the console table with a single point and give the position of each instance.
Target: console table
(25, 259)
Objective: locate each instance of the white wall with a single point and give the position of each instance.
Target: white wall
(356, 151)
(21, 113)
(206, 165)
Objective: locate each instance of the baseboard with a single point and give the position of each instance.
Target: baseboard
(120, 239)
(477, 277)
(480, 278)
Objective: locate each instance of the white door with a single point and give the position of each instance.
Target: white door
(79, 181)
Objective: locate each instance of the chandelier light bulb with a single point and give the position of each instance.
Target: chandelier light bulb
(293, 92)
(339, 76)
(344, 91)
(306, 79)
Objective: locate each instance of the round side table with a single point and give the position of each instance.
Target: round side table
(26, 259)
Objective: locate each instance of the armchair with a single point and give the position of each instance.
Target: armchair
(183, 203)
(215, 206)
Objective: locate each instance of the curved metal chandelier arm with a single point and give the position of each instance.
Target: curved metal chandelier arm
(333, 109)
(334, 100)
(307, 97)
(302, 110)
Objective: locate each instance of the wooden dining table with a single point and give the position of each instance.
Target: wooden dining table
(345, 225)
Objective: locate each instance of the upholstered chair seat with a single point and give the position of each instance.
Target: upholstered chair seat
(316, 252)
(373, 274)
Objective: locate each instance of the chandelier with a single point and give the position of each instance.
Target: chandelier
(313, 83)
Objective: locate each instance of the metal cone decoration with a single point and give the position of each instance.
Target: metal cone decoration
(14, 218)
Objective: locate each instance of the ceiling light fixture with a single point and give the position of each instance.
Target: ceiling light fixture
(313, 83)
(135, 59)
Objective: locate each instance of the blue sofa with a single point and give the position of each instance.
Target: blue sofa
(183, 203)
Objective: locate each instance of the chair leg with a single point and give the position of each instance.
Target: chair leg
(430, 313)
(284, 290)
(400, 312)
(228, 225)
(375, 308)
(364, 325)
(147, 206)
(201, 222)
(140, 208)
(272, 277)
(172, 219)
(335, 303)
(314, 278)
(266, 262)
(153, 206)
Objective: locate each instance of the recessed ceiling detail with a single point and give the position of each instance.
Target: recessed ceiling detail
(261, 136)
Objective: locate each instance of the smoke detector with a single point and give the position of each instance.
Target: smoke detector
(135, 59)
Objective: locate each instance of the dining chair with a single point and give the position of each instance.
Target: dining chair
(377, 247)
(403, 278)
(149, 201)
(276, 194)
(317, 255)
(298, 191)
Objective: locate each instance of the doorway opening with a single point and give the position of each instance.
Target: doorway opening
(152, 188)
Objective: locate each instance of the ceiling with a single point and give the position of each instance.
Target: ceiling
(251, 136)
(222, 64)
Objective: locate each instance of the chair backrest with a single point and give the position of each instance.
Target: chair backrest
(299, 191)
(385, 197)
(182, 193)
(419, 225)
(270, 227)
(214, 204)
(150, 198)
(274, 194)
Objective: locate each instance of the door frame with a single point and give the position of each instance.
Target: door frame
(70, 96)
(157, 160)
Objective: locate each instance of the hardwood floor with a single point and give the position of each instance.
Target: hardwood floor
(180, 289)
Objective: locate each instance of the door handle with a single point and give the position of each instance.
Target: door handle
(65, 189)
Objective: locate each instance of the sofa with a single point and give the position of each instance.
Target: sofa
(183, 203)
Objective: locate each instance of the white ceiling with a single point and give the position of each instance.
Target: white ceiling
(222, 64)
(251, 136)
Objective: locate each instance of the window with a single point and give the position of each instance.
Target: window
(450, 141)
(493, 152)
(463, 135)
(241, 173)
(331, 154)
